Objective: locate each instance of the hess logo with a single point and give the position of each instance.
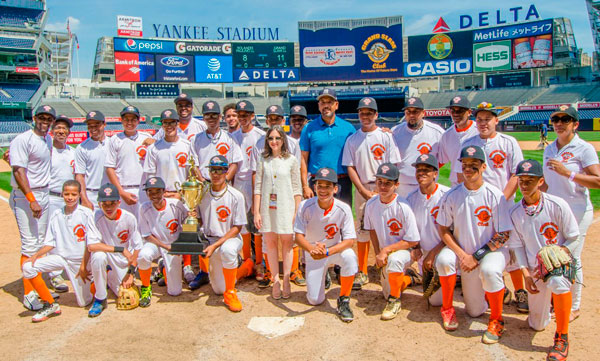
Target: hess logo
(549, 230)
(223, 212)
(123, 235)
(141, 152)
(395, 227)
(498, 158)
(182, 158)
(424, 148)
(222, 148)
(79, 232)
(378, 151)
(331, 229)
(483, 214)
(172, 226)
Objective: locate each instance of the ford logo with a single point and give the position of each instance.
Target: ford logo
(174, 61)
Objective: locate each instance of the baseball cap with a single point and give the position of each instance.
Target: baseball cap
(244, 105)
(387, 171)
(95, 115)
(64, 118)
(108, 192)
(414, 102)
(472, 151)
(368, 103)
(218, 161)
(275, 109)
(154, 182)
(488, 107)
(460, 101)
(45, 109)
(298, 110)
(326, 174)
(169, 114)
(130, 110)
(530, 167)
(428, 159)
(183, 96)
(211, 107)
(327, 92)
(568, 110)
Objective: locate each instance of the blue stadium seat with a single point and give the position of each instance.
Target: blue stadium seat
(18, 92)
(18, 17)
(16, 43)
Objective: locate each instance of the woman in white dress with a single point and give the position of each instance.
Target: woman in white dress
(277, 194)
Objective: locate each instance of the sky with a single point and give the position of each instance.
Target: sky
(91, 20)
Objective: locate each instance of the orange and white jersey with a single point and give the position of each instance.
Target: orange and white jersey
(412, 143)
(126, 155)
(330, 226)
(393, 222)
(450, 145)
(194, 127)
(121, 232)
(554, 224)
(69, 234)
(475, 215)
(89, 161)
(206, 146)
(168, 160)
(33, 153)
(63, 168)
(221, 211)
(365, 151)
(247, 142)
(165, 223)
(426, 207)
(503, 155)
(293, 144)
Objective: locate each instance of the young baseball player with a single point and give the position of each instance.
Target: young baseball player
(118, 247)
(474, 225)
(64, 249)
(188, 125)
(324, 229)
(541, 219)
(231, 118)
(393, 231)
(160, 225)
(363, 153)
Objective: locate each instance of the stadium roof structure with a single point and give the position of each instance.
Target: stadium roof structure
(350, 23)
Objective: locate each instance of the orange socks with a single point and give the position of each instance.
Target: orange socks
(346, 285)
(258, 252)
(396, 280)
(246, 248)
(245, 269)
(230, 277)
(495, 300)
(145, 275)
(517, 279)
(203, 263)
(296, 258)
(562, 310)
(448, 283)
(187, 260)
(363, 256)
(27, 286)
(40, 286)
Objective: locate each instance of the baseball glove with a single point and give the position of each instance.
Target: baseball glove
(128, 298)
(431, 283)
(553, 260)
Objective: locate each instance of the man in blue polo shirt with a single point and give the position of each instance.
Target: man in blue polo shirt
(322, 144)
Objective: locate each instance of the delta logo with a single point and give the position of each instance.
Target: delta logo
(79, 232)
(549, 230)
(395, 227)
(172, 226)
(497, 157)
(483, 214)
(378, 48)
(424, 148)
(222, 213)
(378, 151)
(331, 230)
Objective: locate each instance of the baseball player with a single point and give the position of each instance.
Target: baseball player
(118, 247)
(298, 119)
(324, 229)
(125, 160)
(363, 153)
(463, 128)
(160, 225)
(424, 204)
(231, 118)
(188, 125)
(394, 231)
(474, 225)
(413, 137)
(89, 160)
(541, 219)
(30, 159)
(64, 249)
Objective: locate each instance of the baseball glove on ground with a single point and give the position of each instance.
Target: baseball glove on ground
(128, 298)
(431, 283)
(553, 260)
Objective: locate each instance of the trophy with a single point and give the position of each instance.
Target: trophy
(190, 241)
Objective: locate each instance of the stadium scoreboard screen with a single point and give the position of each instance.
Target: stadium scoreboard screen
(263, 55)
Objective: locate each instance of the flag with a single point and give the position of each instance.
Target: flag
(69, 29)
(76, 40)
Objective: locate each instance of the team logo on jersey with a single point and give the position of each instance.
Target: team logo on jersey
(249, 151)
(331, 229)
(223, 212)
(395, 227)
(549, 230)
(79, 232)
(182, 158)
(378, 151)
(190, 137)
(424, 148)
(566, 156)
(498, 158)
(172, 226)
(141, 152)
(123, 235)
(526, 166)
(222, 148)
(434, 212)
(483, 214)
(72, 163)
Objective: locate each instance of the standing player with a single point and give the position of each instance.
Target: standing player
(89, 160)
(231, 118)
(188, 125)
(364, 152)
(298, 119)
(474, 225)
(541, 219)
(393, 230)
(325, 230)
(413, 137)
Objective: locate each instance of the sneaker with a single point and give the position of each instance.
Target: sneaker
(327, 280)
(360, 280)
(97, 307)
(54, 295)
(450, 322)
(158, 272)
(59, 285)
(507, 296)
(31, 301)
(298, 278)
(266, 281)
(391, 309)
(343, 309)
(146, 296)
(162, 282)
(560, 350)
(415, 278)
(522, 301)
(232, 301)
(493, 333)
(260, 272)
(188, 273)
(200, 280)
(47, 311)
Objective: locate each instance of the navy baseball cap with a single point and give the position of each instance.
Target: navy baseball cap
(275, 109)
(460, 101)
(183, 97)
(95, 115)
(414, 102)
(154, 182)
(530, 167)
(218, 161)
(428, 159)
(567, 110)
(472, 151)
(64, 118)
(130, 110)
(485, 106)
(244, 105)
(368, 103)
(327, 92)
(298, 110)
(45, 109)
(169, 114)
(211, 107)
(388, 171)
(326, 174)
(108, 192)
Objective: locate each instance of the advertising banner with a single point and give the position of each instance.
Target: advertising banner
(156, 90)
(177, 68)
(213, 69)
(492, 56)
(27, 69)
(202, 48)
(505, 80)
(144, 46)
(440, 54)
(513, 31)
(263, 55)
(532, 52)
(134, 67)
(266, 75)
(541, 107)
(129, 26)
(595, 105)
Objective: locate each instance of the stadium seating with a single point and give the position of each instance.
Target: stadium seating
(441, 100)
(12, 127)
(108, 107)
(151, 107)
(63, 106)
(564, 93)
(18, 92)
(18, 17)
(534, 115)
(589, 113)
(19, 43)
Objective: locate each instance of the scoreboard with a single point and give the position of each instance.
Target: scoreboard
(263, 55)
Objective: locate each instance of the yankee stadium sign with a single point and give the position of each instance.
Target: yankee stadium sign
(220, 33)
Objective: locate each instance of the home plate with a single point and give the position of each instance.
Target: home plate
(272, 327)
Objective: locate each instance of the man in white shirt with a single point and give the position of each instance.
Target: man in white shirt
(188, 125)
(230, 117)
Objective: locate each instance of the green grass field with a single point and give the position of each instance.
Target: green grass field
(535, 136)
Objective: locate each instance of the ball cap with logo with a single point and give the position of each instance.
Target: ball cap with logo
(45, 109)
(130, 110)
(485, 106)
(183, 97)
(218, 161)
(460, 101)
(473, 152)
(327, 92)
(95, 115)
(64, 118)
(388, 171)
(530, 167)
(211, 107)
(428, 159)
(108, 192)
(244, 105)
(169, 114)
(367, 103)
(275, 109)
(154, 182)
(414, 102)
(326, 174)
(298, 110)
(567, 110)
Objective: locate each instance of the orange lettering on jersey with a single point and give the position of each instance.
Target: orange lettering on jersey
(249, 151)
(141, 152)
(182, 158)
(331, 229)
(498, 158)
(483, 214)
(566, 156)
(395, 226)
(424, 148)
(172, 226)
(123, 235)
(190, 136)
(434, 212)
(223, 212)
(549, 230)
(222, 148)
(72, 163)
(79, 232)
(378, 151)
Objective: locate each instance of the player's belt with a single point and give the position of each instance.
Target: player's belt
(92, 189)
(39, 188)
(129, 187)
(56, 194)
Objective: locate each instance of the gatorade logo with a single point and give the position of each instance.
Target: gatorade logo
(172, 226)
(123, 235)
(378, 151)
(424, 148)
(79, 232)
(331, 229)
(395, 227)
(483, 214)
(141, 152)
(182, 158)
(498, 158)
(549, 230)
(222, 148)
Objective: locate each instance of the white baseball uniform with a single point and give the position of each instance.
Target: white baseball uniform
(293, 144)
(63, 169)
(164, 224)
(330, 226)
(194, 127)
(206, 146)
(169, 161)
(450, 145)
(243, 177)
(89, 161)
(412, 143)
(121, 232)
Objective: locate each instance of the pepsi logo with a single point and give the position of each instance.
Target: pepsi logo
(131, 43)
(174, 61)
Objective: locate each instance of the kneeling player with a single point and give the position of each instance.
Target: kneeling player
(68, 231)
(324, 228)
(118, 247)
(541, 219)
(393, 231)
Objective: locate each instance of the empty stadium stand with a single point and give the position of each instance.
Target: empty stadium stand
(12, 127)
(565, 93)
(63, 106)
(17, 92)
(16, 43)
(19, 17)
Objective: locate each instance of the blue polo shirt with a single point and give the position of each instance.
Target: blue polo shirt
(325, 143)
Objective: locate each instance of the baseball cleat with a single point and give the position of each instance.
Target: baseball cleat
(59, 285)
(188, 273)
(493, 333)
(200, 280)
(32, 302)
(146, 296)
(560, 350)
(391, 309)
(260, 272)
(298, 278)
(415, 277)
(362, 278)
(97, 307)
(522, 301)
(47, 311)
(266, 281)
(450, 322)
(232, 301)
(507, 296)
(343, 309)
(327, 280)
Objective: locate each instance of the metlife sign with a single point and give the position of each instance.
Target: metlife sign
(144, 46)
(492, 56)
(266, 75)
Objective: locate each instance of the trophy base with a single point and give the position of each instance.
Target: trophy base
(189, 243)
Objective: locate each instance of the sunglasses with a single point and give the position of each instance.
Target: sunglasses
(270, 139)
(564, 119)
(217, 170)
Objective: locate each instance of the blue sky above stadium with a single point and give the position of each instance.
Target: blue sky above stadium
(91, 19)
